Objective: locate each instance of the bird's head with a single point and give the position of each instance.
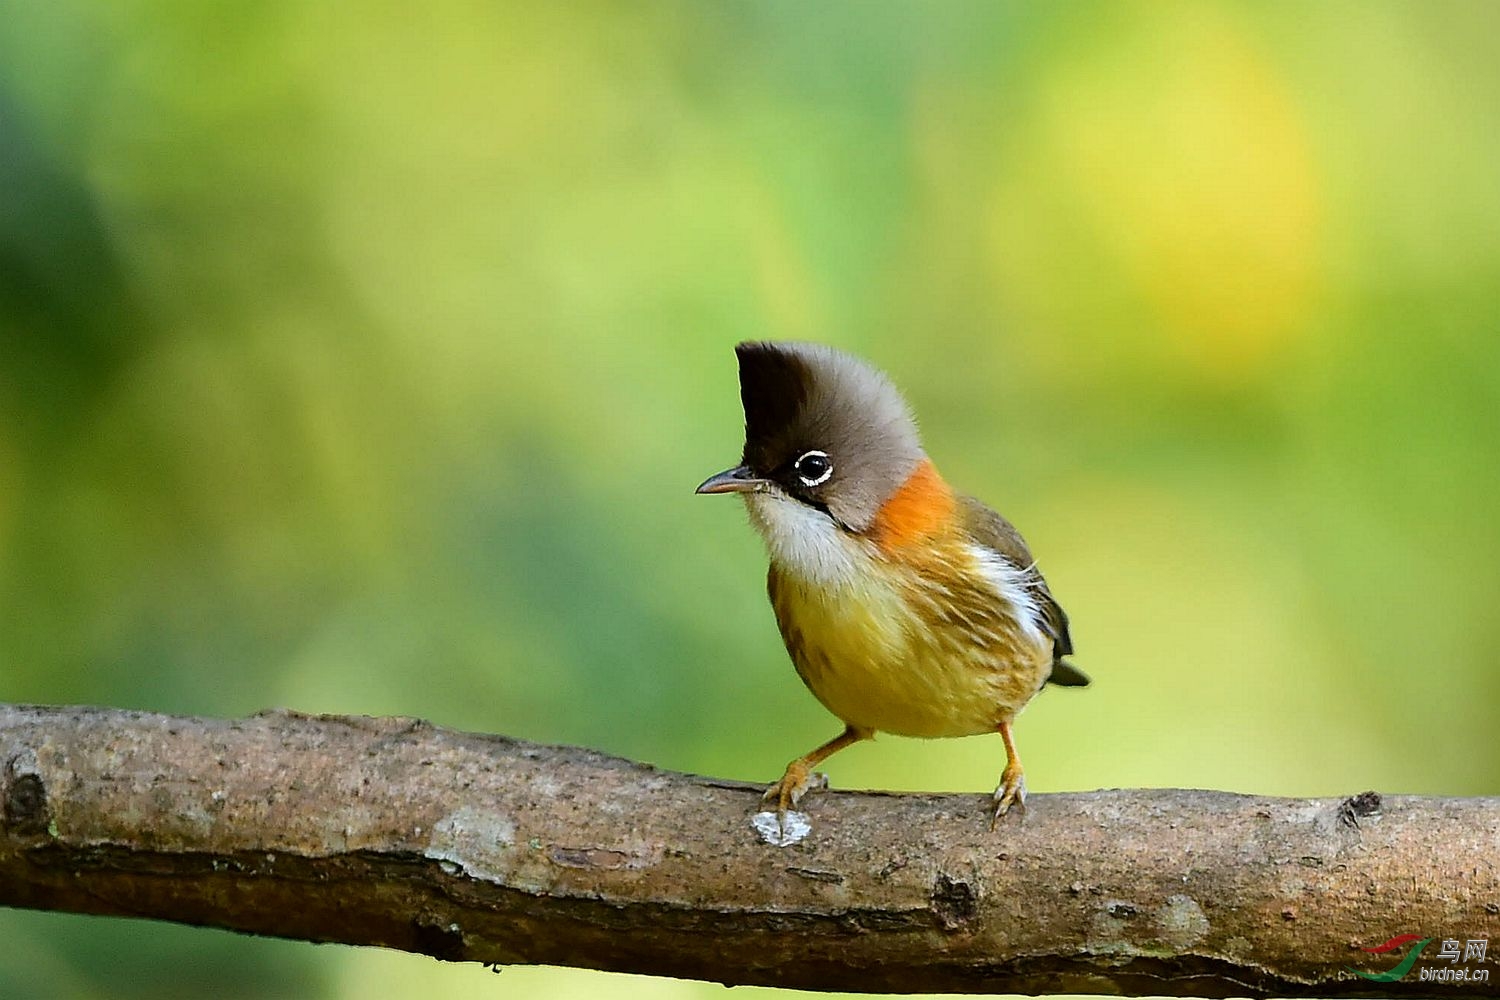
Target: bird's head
(826, 436)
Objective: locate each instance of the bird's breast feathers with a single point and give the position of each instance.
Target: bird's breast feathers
(932, 635)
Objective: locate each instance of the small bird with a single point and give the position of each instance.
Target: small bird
(906, 607)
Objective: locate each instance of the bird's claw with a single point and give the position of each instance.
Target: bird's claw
(1010, 792)
(794, 784)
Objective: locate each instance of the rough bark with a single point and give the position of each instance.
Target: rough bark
(396, 833)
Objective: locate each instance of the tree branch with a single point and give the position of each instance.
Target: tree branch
(480, 848)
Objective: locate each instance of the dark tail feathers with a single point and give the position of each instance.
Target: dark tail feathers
(1064, 674)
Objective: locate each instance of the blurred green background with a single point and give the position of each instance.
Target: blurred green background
(363, 358)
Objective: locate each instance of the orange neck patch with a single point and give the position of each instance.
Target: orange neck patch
(919, 509)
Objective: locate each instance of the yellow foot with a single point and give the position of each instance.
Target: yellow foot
(1010, 792)
(795, 783)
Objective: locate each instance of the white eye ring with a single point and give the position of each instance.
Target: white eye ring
(821, 477)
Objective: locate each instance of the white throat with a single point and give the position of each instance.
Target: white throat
(804, 542)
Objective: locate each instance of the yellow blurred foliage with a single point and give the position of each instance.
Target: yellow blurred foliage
(1170, 143)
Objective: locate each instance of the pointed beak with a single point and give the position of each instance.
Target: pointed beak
(736, 480)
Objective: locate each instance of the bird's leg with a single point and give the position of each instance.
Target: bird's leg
(788, 791)
(1012, 788)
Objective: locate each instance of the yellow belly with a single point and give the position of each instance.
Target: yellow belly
(892, 651)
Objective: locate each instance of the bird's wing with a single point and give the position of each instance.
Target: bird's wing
(994, 532)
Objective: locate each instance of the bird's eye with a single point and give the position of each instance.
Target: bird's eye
(813, 468)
